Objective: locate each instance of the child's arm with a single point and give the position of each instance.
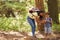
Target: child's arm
(51, 22)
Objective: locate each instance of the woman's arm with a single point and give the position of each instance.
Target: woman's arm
(31, 16)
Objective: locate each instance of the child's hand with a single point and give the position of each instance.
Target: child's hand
(48, 21)
(44, 20)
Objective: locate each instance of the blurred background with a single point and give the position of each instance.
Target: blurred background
(13, 13)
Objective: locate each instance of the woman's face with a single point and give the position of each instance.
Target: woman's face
(41, 14)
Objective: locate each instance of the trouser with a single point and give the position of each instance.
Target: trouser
(32, 24)
(47, 29)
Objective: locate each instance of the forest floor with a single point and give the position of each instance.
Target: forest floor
(11, 35)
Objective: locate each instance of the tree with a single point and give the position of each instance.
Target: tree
(53, 10)
(39, 4)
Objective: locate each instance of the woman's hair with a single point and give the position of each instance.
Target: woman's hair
(38, 12)
(30, 11)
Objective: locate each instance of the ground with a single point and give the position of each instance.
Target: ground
(26, 36)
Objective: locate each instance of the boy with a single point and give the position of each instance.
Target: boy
(48, 24)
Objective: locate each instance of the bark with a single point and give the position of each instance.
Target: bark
(53, 10)
(39, 4)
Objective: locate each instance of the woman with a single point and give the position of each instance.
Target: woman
(40, 22)
(31, 21)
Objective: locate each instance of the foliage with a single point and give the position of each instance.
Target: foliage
(16, 24)
(56, 27)
(8, 24)
(19, 23)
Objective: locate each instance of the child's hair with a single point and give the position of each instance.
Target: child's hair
(47, 13)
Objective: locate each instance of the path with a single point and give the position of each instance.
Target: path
(23, 36)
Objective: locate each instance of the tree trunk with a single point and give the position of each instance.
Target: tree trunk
(53, 10)
(40, 6)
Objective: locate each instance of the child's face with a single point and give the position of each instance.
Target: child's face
(46, 15)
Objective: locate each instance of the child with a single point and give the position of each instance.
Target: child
(48, 24)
